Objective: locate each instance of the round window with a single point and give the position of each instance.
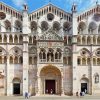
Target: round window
(50, 16)
(2, 15)
(83, 52)
(98, 53)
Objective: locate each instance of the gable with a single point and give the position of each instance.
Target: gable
(50, 35)
(50, 9)
(92, 11)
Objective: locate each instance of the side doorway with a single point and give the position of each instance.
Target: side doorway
(83, 87)
(16, 86)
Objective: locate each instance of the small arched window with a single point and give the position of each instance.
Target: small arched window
(16, 60)
(30, 60)
(78, 61)
(11, 60)
(83, 61)
(20, 59)
(0, 39)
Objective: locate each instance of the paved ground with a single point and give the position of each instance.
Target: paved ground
(96, 97)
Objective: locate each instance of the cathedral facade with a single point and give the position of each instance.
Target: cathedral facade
(49, 51)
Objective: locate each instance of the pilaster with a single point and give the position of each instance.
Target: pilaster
(25, 64)
(8, 88)
(25, 50)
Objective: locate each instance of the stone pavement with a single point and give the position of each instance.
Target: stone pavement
(52, 97)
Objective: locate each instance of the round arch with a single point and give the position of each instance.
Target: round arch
(16, 85)
(15, 48)
(82, 26)
(50, 80)
(85, 49)
(16, 80)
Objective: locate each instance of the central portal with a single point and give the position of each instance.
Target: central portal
(50, 86)
(50, 80)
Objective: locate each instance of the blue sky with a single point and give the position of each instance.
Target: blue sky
(63, 4)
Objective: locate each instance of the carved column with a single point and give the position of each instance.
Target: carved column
(8, 77)
(39, 85)
(62, 83)
(25, 64)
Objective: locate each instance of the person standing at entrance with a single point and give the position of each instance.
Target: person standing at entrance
(26, 95)
(77, 94)
(51, 91)
(85, 91)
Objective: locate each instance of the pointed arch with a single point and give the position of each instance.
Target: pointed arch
(79, 39)
(30, 39)
(34, 40)
(83, 61)
(98, 40)
(88, 60)
(30, 60)
(65, 60)
(94, 61)
(94, 39)
(88, 40)
(99, 29)
(5, 39)
(98, 61)
(79, 61)
(5, 59)
(20, 39)
(84, 40)
(21, 60)
(35, 60)
(11, 60)
(10, 38)
(15, 39)
(16, 60)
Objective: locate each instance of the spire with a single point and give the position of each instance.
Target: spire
(25, 7)
(74, 8)
(97, 2)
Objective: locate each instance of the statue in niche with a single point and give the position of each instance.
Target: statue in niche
(50, 56)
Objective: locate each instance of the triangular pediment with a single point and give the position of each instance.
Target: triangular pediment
(90, 11)
(50, 35)
(50, 8)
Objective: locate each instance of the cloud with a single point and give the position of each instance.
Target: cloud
(18, 3)
(81, 4)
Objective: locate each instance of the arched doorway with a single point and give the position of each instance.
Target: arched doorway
(50, 80)
(16, 86)
(84, 85)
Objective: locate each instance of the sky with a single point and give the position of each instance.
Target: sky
(63, 4)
